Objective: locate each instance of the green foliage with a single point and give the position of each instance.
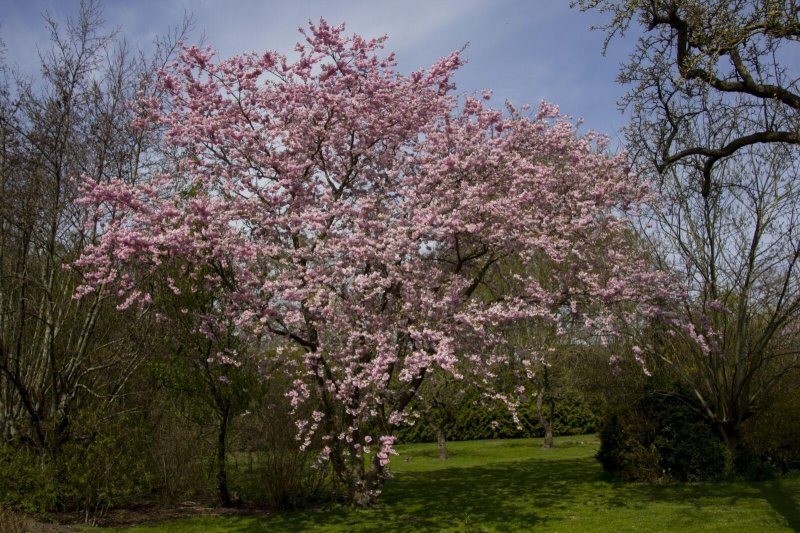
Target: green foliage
(688, 448)
(478, 419)
(29, 480)
(90, 475)
(108, 471)
(771, 441)
(270, 469)
(624, 452)
(661, 437)
(753, 465)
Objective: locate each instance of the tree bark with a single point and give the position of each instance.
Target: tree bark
(441, 437)
(222, 472)
(547, 423)
(730, 436)
(441, 441)
(545, 420)
(371, 483)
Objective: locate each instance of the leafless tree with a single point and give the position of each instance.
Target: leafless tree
(724, 66)
(738, 249)
(72, 121)
(714, 104)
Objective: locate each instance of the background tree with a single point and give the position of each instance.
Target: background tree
(74, 122)
(714, 120)
(66, 365)
(541, 354)
(709, 78)
(437, 402)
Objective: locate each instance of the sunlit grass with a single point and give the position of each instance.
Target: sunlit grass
(515, 485)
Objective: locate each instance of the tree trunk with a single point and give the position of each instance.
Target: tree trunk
(441, 441)
(545, 420)
(730, 436)
(222, 472)
(548, 429)
(369, 487)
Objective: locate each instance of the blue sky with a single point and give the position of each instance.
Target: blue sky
(525, 51)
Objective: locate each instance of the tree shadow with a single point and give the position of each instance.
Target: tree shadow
(521, 495)
(782, 501)
(462, 498)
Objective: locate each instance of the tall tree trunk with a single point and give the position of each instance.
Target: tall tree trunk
(548, 424)
(372, 480)
(546, 420)
(222, 472)
(441, 438)
(730, 434)
(441, 442)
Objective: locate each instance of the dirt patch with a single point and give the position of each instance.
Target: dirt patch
(147, 513)
(17, 523)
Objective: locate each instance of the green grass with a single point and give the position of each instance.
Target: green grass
(514, 485)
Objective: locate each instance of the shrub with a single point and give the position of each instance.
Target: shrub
(180, 456)
(107, 471)
(689, 450)
(29, 480)
(626, 448)
(661, 437)
(771, 441)
(87, 474)
(753, 465)
(278, 474)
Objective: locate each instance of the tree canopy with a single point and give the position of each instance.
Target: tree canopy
(352, 213)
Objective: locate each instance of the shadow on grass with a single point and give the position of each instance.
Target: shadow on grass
(457, 498)
(519, 496)
(783, 502)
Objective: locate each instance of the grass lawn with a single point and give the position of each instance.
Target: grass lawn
(514, 485)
